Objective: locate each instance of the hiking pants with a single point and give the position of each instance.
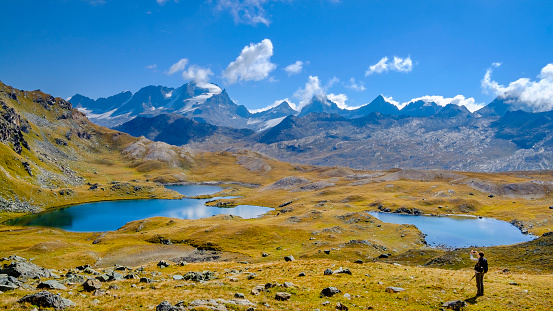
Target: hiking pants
(480, 283)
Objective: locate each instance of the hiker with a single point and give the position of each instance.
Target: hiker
(480, 268)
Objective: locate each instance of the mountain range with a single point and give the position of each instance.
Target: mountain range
(378, 135)
(208, 103)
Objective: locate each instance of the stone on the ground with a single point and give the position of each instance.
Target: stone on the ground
(115, 287)
(394, 289)
(166, 306)
(130, 276)
(145, 280)
(382, 256)
(98, 293)
(252, 276)
(51, 284)
(328, 272)
(289, 258)
(359, 261)
(288, 284)
(344, 271)
(20, 268)
(264, 255)
(340, 306)
(239, 295)
(92, 285)
(301, 274)
(103, 278)
(74, 278)
(47, 300)
(330, 291)
(258, 289)
(282, 296)
(327, 251)
(9, 283)
(163, 264)
(199, 276)
(178, 277)
(454, 304)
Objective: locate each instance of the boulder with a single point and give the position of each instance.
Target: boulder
(51, 284)
(199, 276)
(359, 261)
(166, 306)
(163, 264)
(289, 258)
(264, 255)
(9, 283)
(301, 274)
(330, 291)
(282, 296)
(454, 304)
(393, 289)
(25, 269)
(177, 277)
(328, 272)
(239, 295)
(92, 285)
(344, 271)
(258, 289)
(145, 280)
(340, 306)
(47, 300)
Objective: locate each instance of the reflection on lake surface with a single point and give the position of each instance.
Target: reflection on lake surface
(111, 215)
(460, 231)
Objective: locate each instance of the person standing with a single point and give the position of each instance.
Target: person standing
(480, 269)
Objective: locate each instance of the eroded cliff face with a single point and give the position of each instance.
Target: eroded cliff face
(12, 127)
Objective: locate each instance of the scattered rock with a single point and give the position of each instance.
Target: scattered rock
(551, 207)
(47, 300)
(340, 306)
(199, 276)
(9, 283)
(113, 287)
(51, 284)
(328, 272)
(513, 283)
(20, 267)
(145, 280)
(301, 274)
(330, 291)
(393, 289)
(327, 251)
(163, 264)
(359, 261)
(166, 306)
(98, 293)
(258, 289)
(252, 276)
(383, 256)
(344, 271)
(288, 285)
(282, 296)
(264, 255)
(289, 258)
(130, 276)
(92, 285)
(454, 304)
(239, 295)
(178, 277)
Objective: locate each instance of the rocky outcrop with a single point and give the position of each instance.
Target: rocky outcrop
(12, 127)
(21, 268)
(47, 300)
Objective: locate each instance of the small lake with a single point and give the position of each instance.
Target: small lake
(460, 231)
(112, 215)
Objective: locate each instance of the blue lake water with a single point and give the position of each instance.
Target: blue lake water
(111, 215)
(460, 231)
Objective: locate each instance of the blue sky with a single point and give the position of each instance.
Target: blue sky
(415, 48)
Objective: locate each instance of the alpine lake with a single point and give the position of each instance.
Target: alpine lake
(442, 231)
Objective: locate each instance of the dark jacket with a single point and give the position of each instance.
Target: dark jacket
(482, 265)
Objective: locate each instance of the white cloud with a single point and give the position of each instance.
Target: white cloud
(312, 88)
(162, 2)
(96, 2)
(249, 12)
(151, 67)
(253, 63)
(356, 86)
(340, 100)
(276, 103)
(397, 64)
(524, 94)
(178, 66)
(196, 73)
(294, 68)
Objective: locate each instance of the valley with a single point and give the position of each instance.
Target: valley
(318, 215)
